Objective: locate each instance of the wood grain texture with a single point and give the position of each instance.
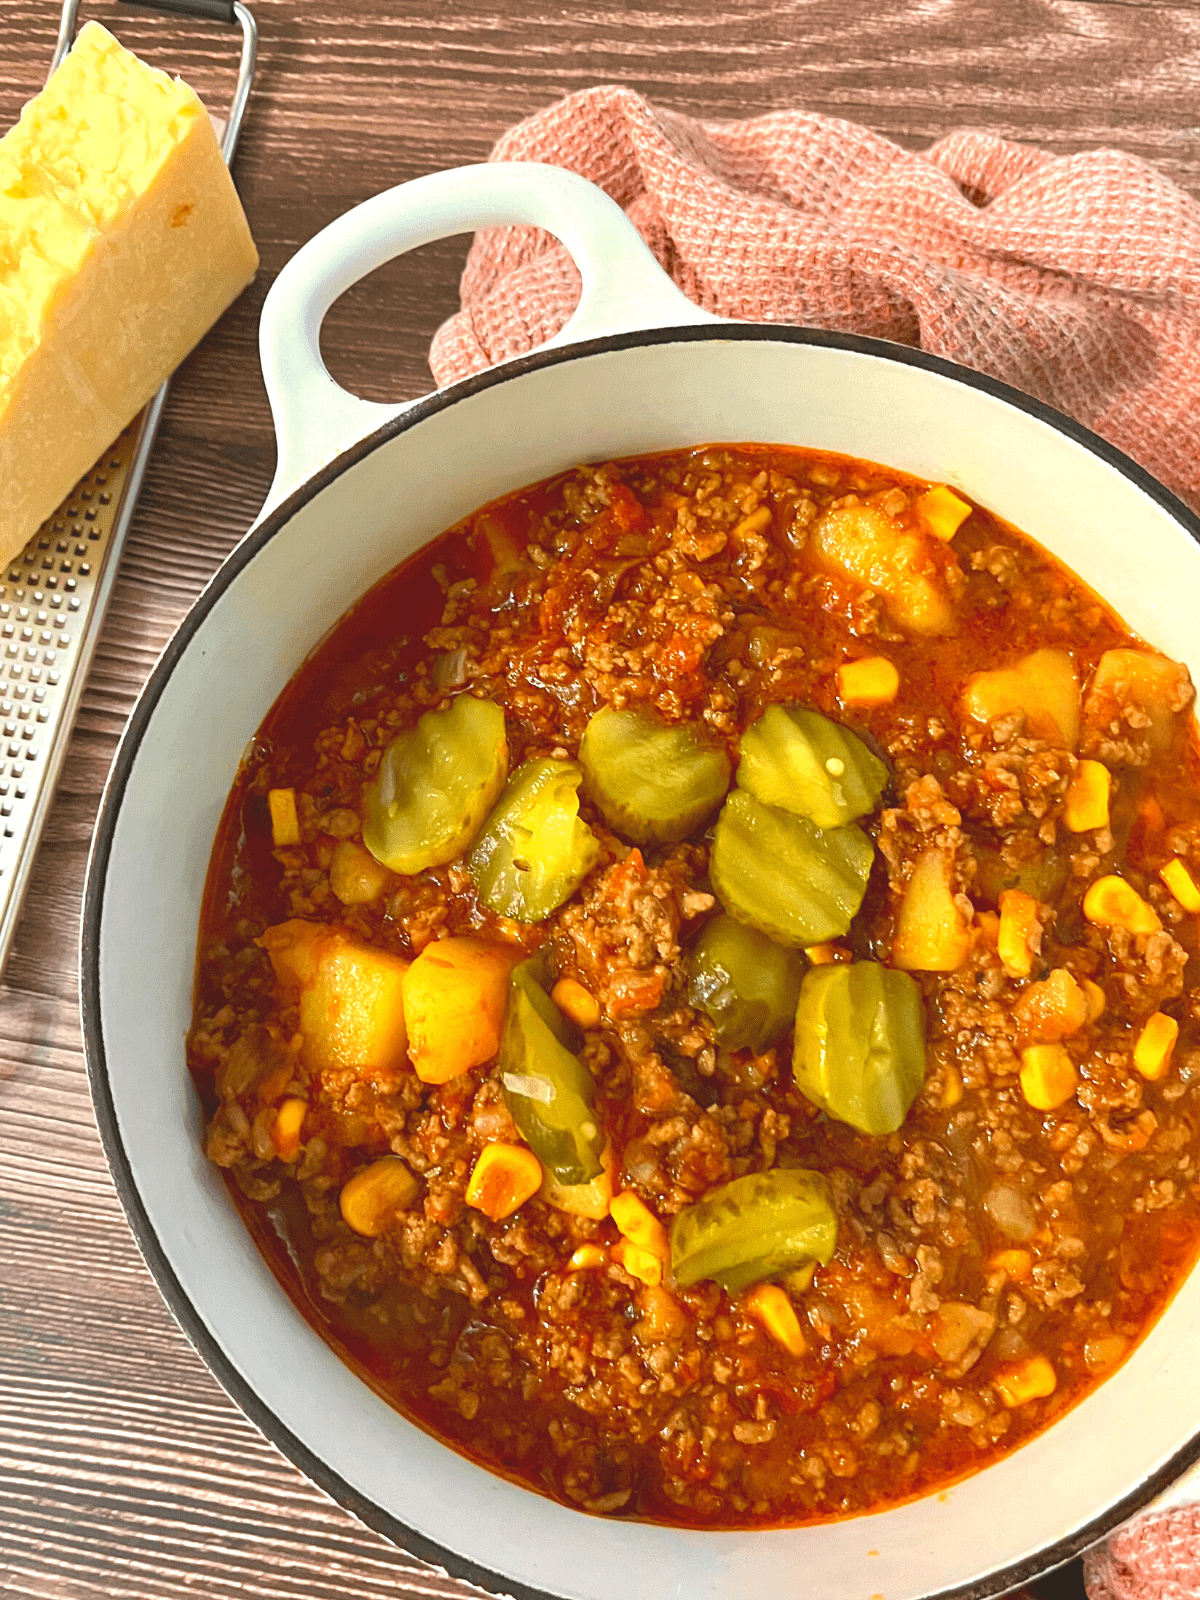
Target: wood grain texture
(124, 1469)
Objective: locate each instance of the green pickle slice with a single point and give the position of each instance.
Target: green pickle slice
(760, 1226)
(654, 782)
(435, 785)
(534, 850)
(746, 983)
(780, 873)
(800, 760)
(860, 1044)
(547, 1089)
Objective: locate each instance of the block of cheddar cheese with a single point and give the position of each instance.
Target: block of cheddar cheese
(122, 240)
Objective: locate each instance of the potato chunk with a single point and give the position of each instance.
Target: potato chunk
(1043, 685)
(1053, 1009)
(1141, 681)
(908, 568)
(454, 998)
(932, 935)
(351, 1009)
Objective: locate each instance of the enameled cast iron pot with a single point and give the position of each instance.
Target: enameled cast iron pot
(359, 486)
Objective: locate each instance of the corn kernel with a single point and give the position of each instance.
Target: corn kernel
(1032, 1380)
(354, 874)
(1096, 999)
(1020, 932)
(952, 1091)
(1155, 1046)
(576, 1002)
(768, 1304)
(374, 1197)
(1181, 884)
(639, 1224)
(285, 820)
(285, 1135)
(1087, 797)
(1017, 1264)
(504, 1177)
(639, 1263)
(942, 511)
(587, 1258)
(1112, 903)
(872, 681)
(1048, 1076)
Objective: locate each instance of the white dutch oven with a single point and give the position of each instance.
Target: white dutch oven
(359, 487)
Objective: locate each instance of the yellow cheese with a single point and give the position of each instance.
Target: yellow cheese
(122, 240)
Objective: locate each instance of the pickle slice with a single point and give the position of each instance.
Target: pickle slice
(800, 760)
(534, 850)
(436, 784)
(654, 782)
(779, 873)
(547, 1089)
(746, 983)
(756, 1227)
(860, 1044)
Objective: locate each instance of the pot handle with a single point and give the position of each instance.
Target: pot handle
(315, 418)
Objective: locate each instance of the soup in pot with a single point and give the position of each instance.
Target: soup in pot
(698, 995)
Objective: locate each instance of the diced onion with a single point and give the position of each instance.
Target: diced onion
(1009, 1345)
(529, 1088)
(1011, 1212)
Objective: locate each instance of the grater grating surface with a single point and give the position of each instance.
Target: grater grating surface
(46, 602)
(53, 596)
(52, 602)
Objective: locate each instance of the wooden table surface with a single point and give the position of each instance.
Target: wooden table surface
(124, 1469)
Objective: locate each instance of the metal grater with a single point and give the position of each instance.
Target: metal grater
(54, 595)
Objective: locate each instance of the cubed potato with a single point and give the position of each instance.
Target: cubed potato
(932, 934)
(908, 568)
(350, 996)
(295, 950)
(454, 998)
(1053, 1009)
(1019, 940)
(1043, 685)
(1140, 679)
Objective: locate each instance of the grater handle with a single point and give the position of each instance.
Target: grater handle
(624, 288)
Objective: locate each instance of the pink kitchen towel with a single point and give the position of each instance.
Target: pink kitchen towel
(1074, 278)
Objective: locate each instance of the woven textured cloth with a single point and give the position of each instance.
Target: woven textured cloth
(1075, 278)
(1154, 1557)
